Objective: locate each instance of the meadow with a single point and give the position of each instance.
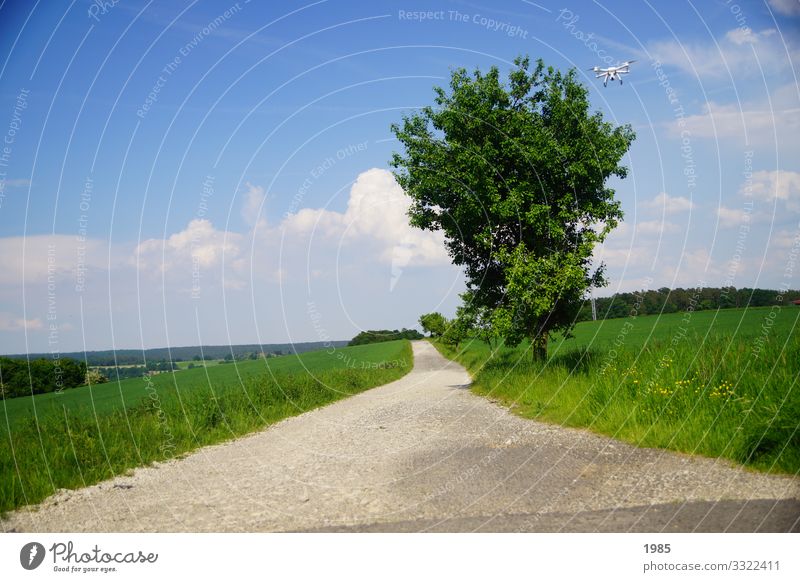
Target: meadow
(85, 435)
(714, 383)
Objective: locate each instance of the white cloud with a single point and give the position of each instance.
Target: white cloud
(619, 252)
(742, 52)
(732, 121)
(32, 259)
(253, 205)
(656, 227)
(376, 214)
(732, 216)
(747, 36)
(785, 239)
(198, 244)
(621, 258)
(352, 245)
(776, 184)
(763, 186)
(786, 7)
(374, 223)
(313, 221)
(670, 204)
(741, 36)
(374, 226)
(686, 268)
(10, 322)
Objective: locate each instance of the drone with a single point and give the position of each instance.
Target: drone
(613, 73)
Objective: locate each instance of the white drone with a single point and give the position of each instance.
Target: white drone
(613, 73)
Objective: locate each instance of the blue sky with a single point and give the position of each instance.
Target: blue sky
(184, 173)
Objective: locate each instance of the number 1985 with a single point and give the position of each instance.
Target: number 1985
(656, 548)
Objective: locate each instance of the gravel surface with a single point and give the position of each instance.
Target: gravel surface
(424, 454)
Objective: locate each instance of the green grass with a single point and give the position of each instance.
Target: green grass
(718, 384)
(640, 330)
(104, 398)
(85, 435)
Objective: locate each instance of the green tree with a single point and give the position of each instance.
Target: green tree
(95, 377)
(72, 372)
(479, 320)
(515, 175)
(459, 328)
(373, 336)
(433, 323)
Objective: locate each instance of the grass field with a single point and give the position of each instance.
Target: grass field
(85, 435)
(104, 398)
(720, 384)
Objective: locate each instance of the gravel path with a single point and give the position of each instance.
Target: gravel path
(424, 454)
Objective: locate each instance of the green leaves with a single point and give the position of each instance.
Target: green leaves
(433, 323)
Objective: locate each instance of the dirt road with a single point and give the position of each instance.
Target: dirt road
(424, 454)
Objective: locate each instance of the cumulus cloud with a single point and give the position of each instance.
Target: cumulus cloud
(10, 322)
(198, 244)
(377, 213)
(253, 204)
(670, 204)
(768, 186)
(774, 185)
(374, 226)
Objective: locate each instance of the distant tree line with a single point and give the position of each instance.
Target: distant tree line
(374, 336)
(664, 300)
(114, 358)
(125, 372)
(39, 376)
(122, 372)
(475, 322)
(242, 356)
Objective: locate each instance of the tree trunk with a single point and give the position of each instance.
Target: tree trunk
(539, 346)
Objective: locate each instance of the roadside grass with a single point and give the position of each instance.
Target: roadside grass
(75, 445)
(730, 391)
